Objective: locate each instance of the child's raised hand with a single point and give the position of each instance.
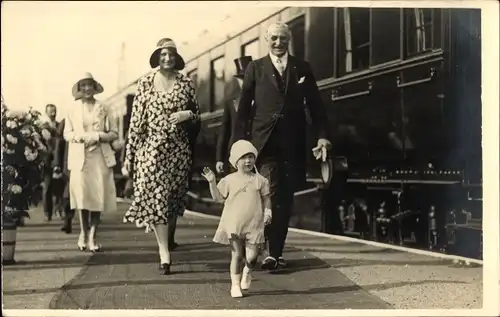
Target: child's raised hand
(208, 174)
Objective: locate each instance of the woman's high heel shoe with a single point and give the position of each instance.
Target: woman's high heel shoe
(172, 246)
(82, 245)
(165, 268)
(93, 247)
(82, 248)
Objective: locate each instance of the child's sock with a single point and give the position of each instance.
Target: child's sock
(235, 285)
(246, 278)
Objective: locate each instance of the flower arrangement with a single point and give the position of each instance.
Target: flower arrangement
(24, 146)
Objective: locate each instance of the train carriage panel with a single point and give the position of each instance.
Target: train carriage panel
(423, 121)
(320, 42)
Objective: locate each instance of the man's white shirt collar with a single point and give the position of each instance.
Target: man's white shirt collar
(284, 60)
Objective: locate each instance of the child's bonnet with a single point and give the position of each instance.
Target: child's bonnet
(238, 150)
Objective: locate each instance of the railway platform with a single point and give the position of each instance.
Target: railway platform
(323, 273)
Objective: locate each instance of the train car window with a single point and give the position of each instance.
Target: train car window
(298, 42)
(320, 41)
(251, 49)
(425, 125)
(193, 74)
(422, 30)
(386, 39)
(437, 25)
(218, 82)
(353, 40)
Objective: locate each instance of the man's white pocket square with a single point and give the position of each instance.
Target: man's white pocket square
(301, 80)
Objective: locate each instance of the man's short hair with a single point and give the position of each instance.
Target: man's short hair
(279, 25)
(49, 106)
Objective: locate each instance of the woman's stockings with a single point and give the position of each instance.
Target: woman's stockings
(161, 232)
(95, 219)
(84, 226)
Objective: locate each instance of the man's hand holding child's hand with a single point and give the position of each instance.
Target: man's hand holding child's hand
(268, 216)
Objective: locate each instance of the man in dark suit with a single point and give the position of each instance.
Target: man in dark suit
(50, 198)
(225, 138)
(278, 84)
(60, 176)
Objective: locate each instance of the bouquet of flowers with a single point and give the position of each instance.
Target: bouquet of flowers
(24, 146)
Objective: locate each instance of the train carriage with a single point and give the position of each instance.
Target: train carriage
(402, 87)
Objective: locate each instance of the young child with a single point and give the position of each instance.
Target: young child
(247, 209)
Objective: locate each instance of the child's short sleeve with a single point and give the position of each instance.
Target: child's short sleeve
(264, 186)
(223, 187)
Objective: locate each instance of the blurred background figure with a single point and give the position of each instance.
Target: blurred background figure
(52, 188)
(225, 138)
(128, 191)
(61, 175)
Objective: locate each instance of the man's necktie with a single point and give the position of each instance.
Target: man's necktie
(279, 63)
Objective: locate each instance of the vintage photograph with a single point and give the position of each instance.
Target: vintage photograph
(242, 156)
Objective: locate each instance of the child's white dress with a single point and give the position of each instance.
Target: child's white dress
(243, 213)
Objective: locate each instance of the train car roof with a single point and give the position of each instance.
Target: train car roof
(210, 39)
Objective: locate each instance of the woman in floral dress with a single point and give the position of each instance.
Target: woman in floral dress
(158, 151)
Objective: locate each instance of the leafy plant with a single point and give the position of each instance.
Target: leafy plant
(24, 147)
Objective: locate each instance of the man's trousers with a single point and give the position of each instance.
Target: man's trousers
(281, 181)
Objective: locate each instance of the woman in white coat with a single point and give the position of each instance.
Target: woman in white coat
(89, 132)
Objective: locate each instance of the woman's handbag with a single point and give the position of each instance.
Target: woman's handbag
(128, 191)
(192, 127)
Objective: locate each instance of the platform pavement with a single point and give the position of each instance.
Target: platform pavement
(323, 273)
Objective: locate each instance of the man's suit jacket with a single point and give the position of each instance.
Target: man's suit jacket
(56, 134)
(224, 139)
(61, 151)
(272, 106)
(61, 159)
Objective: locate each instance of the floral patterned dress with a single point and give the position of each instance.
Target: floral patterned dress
(159, 152)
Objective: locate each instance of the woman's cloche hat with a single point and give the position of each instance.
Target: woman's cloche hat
(76, 87)
(154, 60)
(239, 149)
(241, 65)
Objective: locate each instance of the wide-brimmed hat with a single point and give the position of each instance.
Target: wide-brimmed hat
(154, 60)
(241, 65)
(239, 149)
(76, 91)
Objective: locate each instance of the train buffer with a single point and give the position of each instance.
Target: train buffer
(323, 273)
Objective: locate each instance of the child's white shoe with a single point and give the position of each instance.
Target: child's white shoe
(235, 286)
(236, 291)
(246, 278)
